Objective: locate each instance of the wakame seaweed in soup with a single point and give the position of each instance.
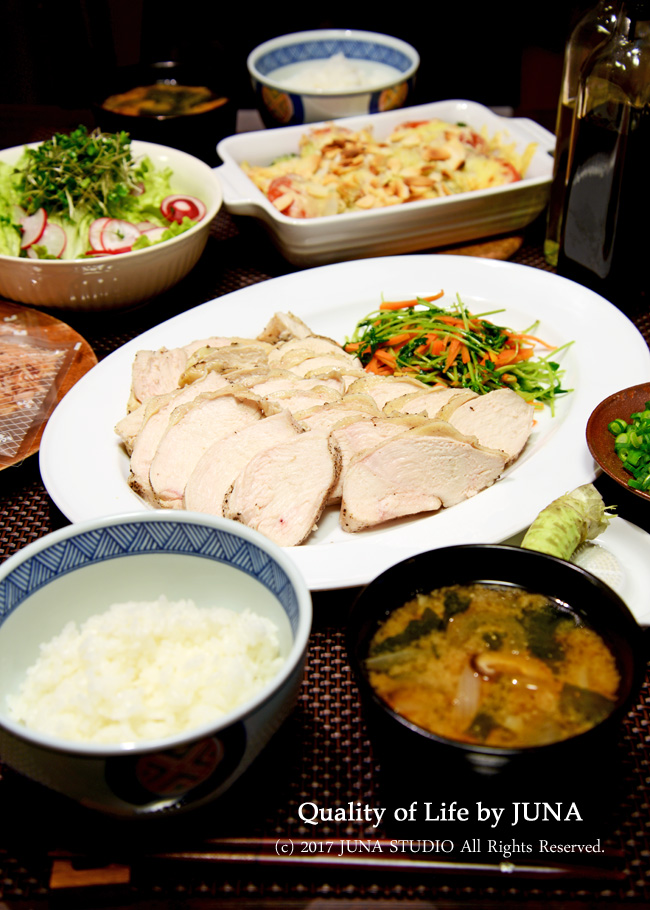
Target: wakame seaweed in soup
(493, 664)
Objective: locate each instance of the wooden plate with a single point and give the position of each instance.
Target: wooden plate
(39, 327)
(601, 441)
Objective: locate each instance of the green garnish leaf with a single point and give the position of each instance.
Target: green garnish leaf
(94, 171)
(417, 628)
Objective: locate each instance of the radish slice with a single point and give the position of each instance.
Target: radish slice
(177, 207)
(95, 234)
(53, 239)
(33, 227)
(118, 236)
(143, 226)
(19, 214)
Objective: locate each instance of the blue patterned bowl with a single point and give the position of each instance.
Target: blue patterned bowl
(273, 65)
(81, 570)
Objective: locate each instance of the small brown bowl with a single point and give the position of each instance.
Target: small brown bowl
(601, 442)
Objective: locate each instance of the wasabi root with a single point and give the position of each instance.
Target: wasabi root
(568, 521)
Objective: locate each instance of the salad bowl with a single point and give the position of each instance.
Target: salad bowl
(122, 279)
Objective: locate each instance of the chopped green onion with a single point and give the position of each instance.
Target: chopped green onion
(632, 445)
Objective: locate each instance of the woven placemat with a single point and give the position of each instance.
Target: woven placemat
(53, 852)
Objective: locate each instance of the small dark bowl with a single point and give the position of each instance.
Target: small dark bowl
(601, 441)
(417, 764)
(197, 134)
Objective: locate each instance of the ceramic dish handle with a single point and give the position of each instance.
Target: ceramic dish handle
(537, 133)
(238, 191)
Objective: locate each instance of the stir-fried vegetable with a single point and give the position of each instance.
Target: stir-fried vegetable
(454, 348)
(568, 521)
(632, 445)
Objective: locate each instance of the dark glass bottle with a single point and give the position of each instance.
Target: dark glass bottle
(591, 32)
(605, 240)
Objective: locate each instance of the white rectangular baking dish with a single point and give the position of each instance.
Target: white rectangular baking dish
(404, 228)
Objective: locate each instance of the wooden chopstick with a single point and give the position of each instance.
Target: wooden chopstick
(335, 854)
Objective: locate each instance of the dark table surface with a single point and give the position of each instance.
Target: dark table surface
(56, 854)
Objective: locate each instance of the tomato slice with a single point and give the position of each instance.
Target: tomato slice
(511, 171)
(287, 184)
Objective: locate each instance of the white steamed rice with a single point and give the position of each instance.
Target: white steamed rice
(141, 671)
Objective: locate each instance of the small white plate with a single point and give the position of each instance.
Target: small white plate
(620, 557)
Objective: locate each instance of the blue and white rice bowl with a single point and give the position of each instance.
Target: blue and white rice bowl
(80, 571)
(282, 104)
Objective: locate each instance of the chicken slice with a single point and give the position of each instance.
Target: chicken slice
(325, 364)
(158, 372)
(191, 431)
(289, 353)
(284, 380)
(299, 400)
(384, 388)
(500, 420)
(239, 354)
(322, 419)
(418, 471)
(429, 403)
(282, 491)
(130, 425)
(354, 435)
(284, 327)
(155, 420)
(155, 373)
(221, 464)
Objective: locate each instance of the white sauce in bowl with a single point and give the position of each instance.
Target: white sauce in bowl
(334, 74)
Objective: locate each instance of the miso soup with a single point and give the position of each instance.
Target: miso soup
(493, 664)
(164, 100)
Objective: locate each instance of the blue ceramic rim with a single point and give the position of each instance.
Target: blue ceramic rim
(322, 49)
(115, 541)
(322, 43)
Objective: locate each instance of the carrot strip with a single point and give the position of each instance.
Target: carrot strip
(451, 320)
(454, 348)
(403, 304)
(464, 353)
(373, 365)
(505, 357)
(524, 337)
(387, 358)
(399, 340)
